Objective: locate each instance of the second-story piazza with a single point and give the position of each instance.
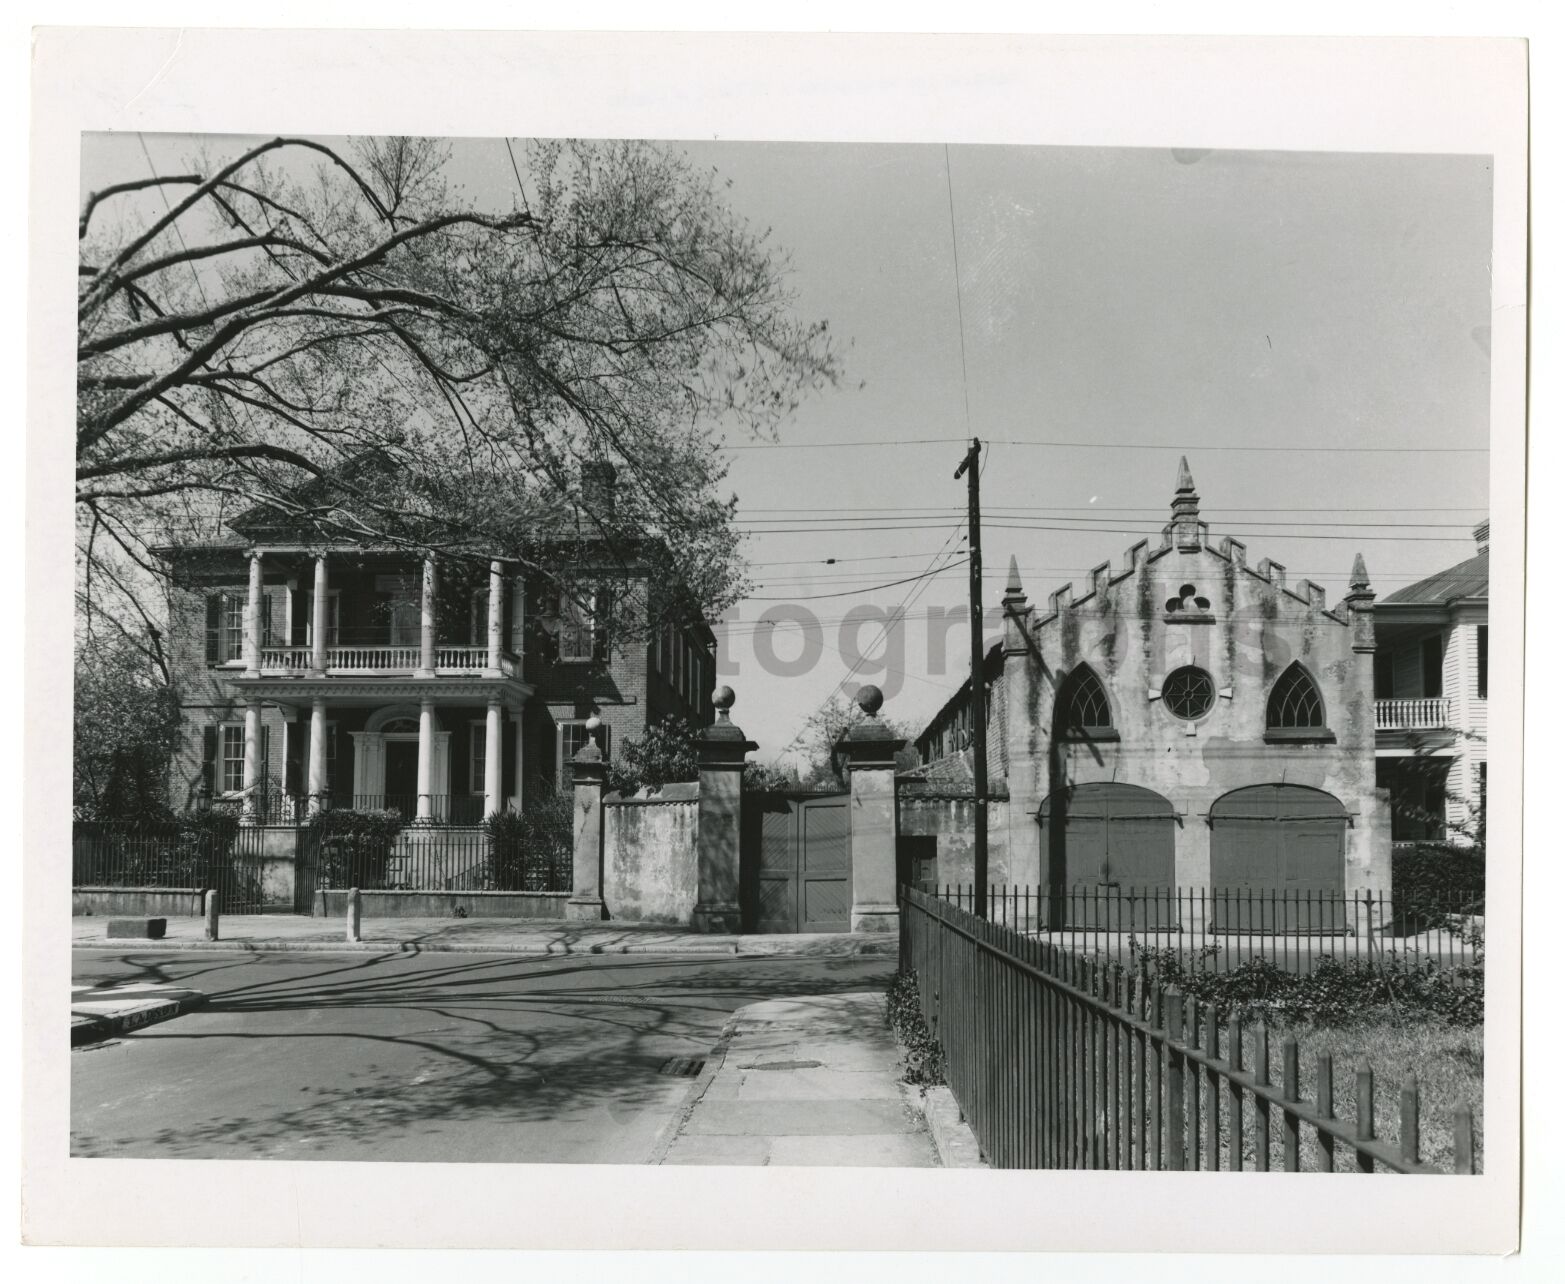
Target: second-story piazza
(348, 674)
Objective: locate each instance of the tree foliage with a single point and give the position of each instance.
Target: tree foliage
(817, 741)
(301, 308)
(126, 725)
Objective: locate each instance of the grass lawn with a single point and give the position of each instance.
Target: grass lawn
(1446, 1060)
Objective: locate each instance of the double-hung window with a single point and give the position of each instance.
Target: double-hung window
(570, 739)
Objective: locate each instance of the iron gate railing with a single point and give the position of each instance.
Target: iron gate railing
(1058, 1061)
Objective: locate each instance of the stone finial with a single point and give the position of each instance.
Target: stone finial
(1013, 579)
(1358, 581)
(870, 698)
(723, 742)
(1185, 528)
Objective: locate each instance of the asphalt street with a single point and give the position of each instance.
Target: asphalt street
(419, 1057)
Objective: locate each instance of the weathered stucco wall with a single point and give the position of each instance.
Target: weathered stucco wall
(649, 856)
(379, 904)
(136, 902)
(1136, 627)
(948, 821)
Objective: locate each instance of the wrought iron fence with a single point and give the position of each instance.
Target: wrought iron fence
(439, 859)
(1219, 929)
(225, 858)
(286, 808)
(1060, 1061)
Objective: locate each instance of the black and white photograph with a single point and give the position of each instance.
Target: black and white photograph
(833, 652)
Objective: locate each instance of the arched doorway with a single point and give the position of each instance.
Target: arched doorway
(1278, 859)
(1108, 856)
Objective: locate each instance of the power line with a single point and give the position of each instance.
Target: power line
(814, 597)
(1113, 445)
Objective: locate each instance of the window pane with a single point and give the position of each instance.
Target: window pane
(478, 744)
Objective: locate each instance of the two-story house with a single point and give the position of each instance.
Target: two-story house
(1431, 700)
(345, 674)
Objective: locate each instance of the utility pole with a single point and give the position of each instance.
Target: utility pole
(980, 714)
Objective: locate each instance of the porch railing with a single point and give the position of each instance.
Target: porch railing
(381, 659)
(1218, 929)
(1059, 1061)
(1430, 713)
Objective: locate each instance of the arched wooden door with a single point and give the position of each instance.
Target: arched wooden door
(1108, 850)
(1278, 860)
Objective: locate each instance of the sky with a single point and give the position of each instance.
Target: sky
(1310, 329)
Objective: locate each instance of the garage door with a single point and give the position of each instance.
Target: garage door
(1277, 859)
(1109, 852)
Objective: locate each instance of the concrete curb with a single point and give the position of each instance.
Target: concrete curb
(850, 949)
(91, 1027)
(954, 1140)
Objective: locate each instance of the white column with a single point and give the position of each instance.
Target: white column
(496, 597)
(516, 801)
(426, 758)
(253, 618)
(252, 756)
(492, 758)
(317, 782)
(318, 618)
(426, 637)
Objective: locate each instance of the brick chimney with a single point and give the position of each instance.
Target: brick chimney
(1481, 535)
(597, 488)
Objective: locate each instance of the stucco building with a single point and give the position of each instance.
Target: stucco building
(1190, 721)
(347, 674)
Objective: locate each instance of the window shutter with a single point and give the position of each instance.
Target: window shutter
(268, 638)
(209, 761)
(263, 766)
(598, 623)
(214, 628)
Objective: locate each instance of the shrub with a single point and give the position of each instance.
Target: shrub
(531, 850)
(1336, 991)
(923, 1059)
(354, 846)
(1433, 881)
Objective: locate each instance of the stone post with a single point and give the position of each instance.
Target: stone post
(721, 752)
(209, 905)
(355, 916)
(587, 772)
(868, 751)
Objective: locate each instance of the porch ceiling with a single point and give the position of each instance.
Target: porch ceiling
(369, 692)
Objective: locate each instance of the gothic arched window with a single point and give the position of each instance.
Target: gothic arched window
(1295, 702)
(1084, 705)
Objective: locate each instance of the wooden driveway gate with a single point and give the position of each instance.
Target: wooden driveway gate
(797, 862)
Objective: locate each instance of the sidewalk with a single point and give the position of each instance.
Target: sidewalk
(805, 1082)
(269, 932)
(101, 1012)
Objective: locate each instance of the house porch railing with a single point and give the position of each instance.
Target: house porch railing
(381, 659)
(1430, 713)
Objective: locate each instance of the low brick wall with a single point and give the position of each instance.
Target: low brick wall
(136, 902)
(373, 904)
